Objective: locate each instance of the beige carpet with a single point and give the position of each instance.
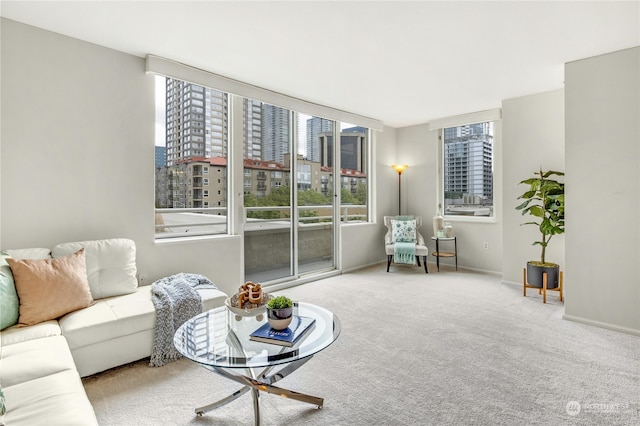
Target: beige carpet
(447, 348)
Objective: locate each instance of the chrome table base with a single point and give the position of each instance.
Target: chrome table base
(262, 382)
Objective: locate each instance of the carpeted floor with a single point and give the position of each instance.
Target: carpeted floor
(447, 348)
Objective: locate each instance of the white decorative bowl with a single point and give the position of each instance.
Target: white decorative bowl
(250, 309)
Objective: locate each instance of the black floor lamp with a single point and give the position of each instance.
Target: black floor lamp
(399, 168)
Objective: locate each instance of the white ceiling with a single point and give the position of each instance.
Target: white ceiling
(404, 63)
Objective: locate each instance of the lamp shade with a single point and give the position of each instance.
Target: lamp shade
(400, 168)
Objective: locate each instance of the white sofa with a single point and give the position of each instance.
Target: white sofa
(41, 364)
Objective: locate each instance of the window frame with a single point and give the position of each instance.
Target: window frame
(232, 88)
(182, 178)
(495, 116)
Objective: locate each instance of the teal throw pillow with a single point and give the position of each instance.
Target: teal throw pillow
(9, 303)
(403, 231)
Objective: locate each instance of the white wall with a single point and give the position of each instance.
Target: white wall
(363, 244)
(417, 147)
(532, 137)
(78, 150)
(77, 163)
(602, 98)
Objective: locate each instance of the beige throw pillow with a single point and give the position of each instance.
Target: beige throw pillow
(50, 288)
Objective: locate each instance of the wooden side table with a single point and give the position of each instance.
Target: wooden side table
(438, 254)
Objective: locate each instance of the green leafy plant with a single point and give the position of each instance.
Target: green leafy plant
(545, 201)
(3, 407)
(280, 302)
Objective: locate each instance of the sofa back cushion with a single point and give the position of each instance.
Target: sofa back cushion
(29, 253)
(111, 265)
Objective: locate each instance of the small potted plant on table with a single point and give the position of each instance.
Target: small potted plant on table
(544, 200)
(279, 312)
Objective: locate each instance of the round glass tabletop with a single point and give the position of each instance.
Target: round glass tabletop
(219, 338)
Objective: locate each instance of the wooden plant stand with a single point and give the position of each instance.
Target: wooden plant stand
(544, 288)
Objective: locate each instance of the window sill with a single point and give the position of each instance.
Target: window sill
(470, 219)
(192, 239)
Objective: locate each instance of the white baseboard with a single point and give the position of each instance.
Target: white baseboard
(357, 268)
(601, 324)
(481, 271)
(432, 267)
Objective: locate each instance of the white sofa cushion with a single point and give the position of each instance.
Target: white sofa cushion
(29, 253)
(56, 399)
(110, 318)
(111, 265)
(15, 334)
(32, 359)
(119, 329)
(118, 316)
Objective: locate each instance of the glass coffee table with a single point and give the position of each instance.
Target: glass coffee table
(219, 341)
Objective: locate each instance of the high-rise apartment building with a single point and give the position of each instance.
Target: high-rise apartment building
(252, 129)
(468, 153)
(275, 133)
(196, 140)
(196, 121)
(315, 126)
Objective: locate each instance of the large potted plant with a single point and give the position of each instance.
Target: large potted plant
(544, 200)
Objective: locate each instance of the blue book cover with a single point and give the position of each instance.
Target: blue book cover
(287, 337)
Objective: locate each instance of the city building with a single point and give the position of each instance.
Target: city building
(252, 129)
(161, 156)
(353, 146)
(275, 133)
(316, 126)
(196, 121)
(468, 174)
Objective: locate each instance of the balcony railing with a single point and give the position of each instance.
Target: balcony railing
(187, 222)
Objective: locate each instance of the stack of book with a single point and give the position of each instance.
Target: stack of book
(299, 327)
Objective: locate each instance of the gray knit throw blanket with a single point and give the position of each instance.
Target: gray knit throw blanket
(176, 300)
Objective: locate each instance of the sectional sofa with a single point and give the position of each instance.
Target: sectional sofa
(66, 313)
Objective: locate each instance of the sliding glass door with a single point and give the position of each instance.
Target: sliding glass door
(288, 193)
(315, 200)
(267, 180)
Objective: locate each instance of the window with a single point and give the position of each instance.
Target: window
(467, 170)
(353, 150)
(179, 180)
(192, 125)
(354, 157)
